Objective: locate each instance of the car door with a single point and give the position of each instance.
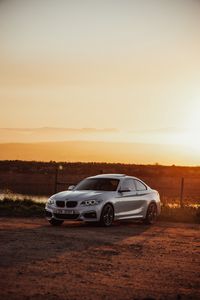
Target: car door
(127, 201)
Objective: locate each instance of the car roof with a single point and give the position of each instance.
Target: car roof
(115, 176)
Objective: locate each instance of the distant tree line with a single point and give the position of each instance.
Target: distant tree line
(96, 168)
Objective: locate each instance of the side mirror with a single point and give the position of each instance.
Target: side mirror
(124, 191)
(71, 187)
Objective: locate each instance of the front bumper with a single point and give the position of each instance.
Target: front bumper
(89, 214)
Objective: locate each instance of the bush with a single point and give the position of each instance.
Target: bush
(29, 208)
(21, 208)
(178, 214)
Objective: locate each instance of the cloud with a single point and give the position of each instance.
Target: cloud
(166, 130)
(51, 134)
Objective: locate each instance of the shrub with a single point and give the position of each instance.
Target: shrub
(21, 208)
(178, 214)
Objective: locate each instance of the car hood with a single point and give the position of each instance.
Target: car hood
(79, 195)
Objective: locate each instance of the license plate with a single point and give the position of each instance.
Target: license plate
(65, 211)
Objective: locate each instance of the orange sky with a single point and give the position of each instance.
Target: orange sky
(130, 67)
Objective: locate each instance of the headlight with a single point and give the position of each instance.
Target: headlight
(51, 201)
(90, 202)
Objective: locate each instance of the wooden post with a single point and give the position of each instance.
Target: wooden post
(58, 167)
(181, 192)
(56, 180)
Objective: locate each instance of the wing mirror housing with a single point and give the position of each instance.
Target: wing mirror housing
(71, 187)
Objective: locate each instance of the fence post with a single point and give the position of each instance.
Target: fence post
(181, 193)
(58, 167)
(56, 180)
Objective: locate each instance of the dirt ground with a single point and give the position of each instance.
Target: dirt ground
(80, 261)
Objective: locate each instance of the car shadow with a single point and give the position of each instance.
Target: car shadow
(38, 241)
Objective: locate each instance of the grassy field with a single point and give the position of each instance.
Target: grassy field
(30, 208)
(39, 178)
(21, 208)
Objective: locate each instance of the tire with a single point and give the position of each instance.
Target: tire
(151, 215)
(55, 222)
(107, 215)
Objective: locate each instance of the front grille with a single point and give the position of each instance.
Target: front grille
(67, 216)
(71, 203)
(60, 203)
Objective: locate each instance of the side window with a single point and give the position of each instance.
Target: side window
(128, 184)
(140, 186)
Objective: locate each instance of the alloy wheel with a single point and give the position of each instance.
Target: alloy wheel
(107, 215)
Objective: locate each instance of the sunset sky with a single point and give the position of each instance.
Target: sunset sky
(116, 71)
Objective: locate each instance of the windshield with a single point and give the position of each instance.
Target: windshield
(98, 184)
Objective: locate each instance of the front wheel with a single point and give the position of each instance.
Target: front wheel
(107, 215)
(151, 215)
(55, 222)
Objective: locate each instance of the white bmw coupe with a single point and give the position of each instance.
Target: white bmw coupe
(105, 198)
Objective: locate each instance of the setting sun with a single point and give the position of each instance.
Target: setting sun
(109, 72)
(191, 135)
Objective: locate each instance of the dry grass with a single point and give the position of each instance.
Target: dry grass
(29, 208)
(21, 208)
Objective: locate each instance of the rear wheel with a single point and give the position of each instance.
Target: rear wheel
(55, 222)
(107, 215)
(151, 215)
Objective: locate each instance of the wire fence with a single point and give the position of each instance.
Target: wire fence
(177, 191)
